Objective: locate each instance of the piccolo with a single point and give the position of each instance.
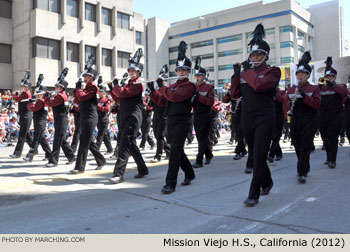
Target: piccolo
(121, 79)
(170, 78)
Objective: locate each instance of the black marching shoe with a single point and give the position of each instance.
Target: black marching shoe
(237, 157)
(51, 165)
(207, 161)
(248, 170)
(140, 175)
(152, 146)
(266, 191)
(44, 159)
(27, 159)
(74, 172)
(114, 157)
(270, 159)
(331, 165)
(155, 160)
(278, 158)
(100, 166)
(302, 179)
(116, 179)
(71, 161)
(14, 156)
(251, 202)
(186, 182)
(326, 162)
(167, 189)
(196, 165)
(244, 153)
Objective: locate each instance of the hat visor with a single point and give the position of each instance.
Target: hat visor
(134, 68)
(199, 74)
(88, 74)
(302, 71)
(182, 68)
(331, 74)
(259, 51)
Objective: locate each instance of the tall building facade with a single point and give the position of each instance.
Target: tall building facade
(45, 36)
(222, 38)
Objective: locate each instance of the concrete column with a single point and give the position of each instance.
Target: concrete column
(82, 55)
(307, 42)
(114, 60)
(63, 52)
(63, 11)
(189, 56)
(98, 58)
(114, 20)
(82, 13)
(295, 40)
(278, 45)
(99, 16)
(215, 52)
(245, 46)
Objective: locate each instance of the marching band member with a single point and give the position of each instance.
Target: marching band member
(257, 86)
(59, 105)
(77, 131)
(131, 103)
(178, 109)
(88, 120)
(203, 100)
(25, 118)
(214, 117)
(306, 100)
(330, 117)
(159, 123)
(347, 112)
(103, 109)
(40, 120)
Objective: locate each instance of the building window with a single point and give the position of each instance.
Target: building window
(286, 29)
(173, 49)
(249, 35)
(138, 36)
(172, 74)
(309, 39)
(73, 52)
(285, 60)
(89, 50)
(202, 44)
(172, 62)
(73, 8)
(209, 69)
(5, 53)
(48, 5)
(106, 57)
(270, 31)
(106, 16)
(123, 59)
(271, 62)
(222, 82)
(6, 9)
(90, 12)
(123, 21)
(301, 48)
(229, 39)
(204, 56)
(301, 35)
(272, 46)
(286, 44)
(225, 67)
(230, 53)
(46, 48)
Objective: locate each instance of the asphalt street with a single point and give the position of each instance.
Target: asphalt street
(36, 199)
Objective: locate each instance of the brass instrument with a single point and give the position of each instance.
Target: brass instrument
(322, 81)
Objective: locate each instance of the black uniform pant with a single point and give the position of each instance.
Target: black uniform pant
(145, 128)
(103, 135)
(160, 130)
(347, 123)
(213, 137)
(178, 127)
(128, 147)
(86, 143)
(119, 136)
(24, 121)
(202, 128)
(236, 120)
(302, 129)
(77, 131)
(275, 148)
(189, 132)
(39, 131)
(60, 139)
(257, 129)
(330, 125)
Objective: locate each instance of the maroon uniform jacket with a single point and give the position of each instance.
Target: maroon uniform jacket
(257, 86)
(179, 97)
(303, 106)
(22, 106)
(205, 99)
(332, 98)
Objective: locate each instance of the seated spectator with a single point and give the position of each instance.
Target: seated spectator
(13, 113)
(13, 127)
(4, 117)
(2, 137)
